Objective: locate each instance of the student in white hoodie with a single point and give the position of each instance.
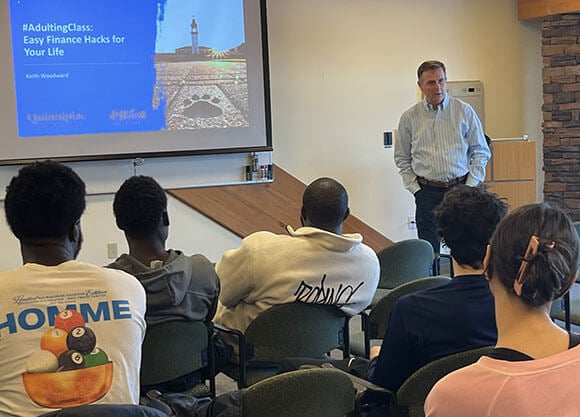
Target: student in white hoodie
(313, 264)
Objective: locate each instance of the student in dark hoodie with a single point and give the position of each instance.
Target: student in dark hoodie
(178, 287)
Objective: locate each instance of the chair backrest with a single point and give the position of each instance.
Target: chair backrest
(296, 330)
(106, 410)
(404, 261)
(316, 392)
(378, 320)
(412, 394)
(173, 349)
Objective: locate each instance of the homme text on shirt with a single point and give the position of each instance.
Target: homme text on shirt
(35, 318)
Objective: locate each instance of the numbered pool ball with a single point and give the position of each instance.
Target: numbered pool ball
(81, 339)
(95, 358)
(68, 320)
(71, 359)
(54, 340)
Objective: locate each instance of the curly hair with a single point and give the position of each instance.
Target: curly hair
(466, 220)
(139, 206)
(44, 200)
(550, 271)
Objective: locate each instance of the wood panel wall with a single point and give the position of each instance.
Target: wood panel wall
(247, 208)
(532, 9)
(511, 171)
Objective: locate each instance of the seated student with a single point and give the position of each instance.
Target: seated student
(178, 287)
(454, 317)
(69, 331)
(270, 269)
(532, 260)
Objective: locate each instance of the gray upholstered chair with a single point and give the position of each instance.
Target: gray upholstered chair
(412, 394)
(284, 331)
(567, 309)
(409, 400)
(175, 348)
(316, 392)
(402, 262)
(375, 322)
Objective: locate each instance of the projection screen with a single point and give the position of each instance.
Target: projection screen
(109, 79)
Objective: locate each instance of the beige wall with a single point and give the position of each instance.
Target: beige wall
(342, 72)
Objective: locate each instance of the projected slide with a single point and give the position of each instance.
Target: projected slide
(111, 66)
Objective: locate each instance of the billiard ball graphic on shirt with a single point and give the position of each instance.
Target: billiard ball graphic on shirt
(54, 340)
(82, 339)
(69, 369)
(68, 320)
(71, 359)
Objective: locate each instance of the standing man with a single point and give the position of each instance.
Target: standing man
(440, 144)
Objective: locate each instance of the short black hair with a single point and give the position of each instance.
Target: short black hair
(466, 220)
(139, 206)
(44, 200)
(325, 203)
(430, 65)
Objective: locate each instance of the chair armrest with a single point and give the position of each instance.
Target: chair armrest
(371, 400)
(224, 329)
(364, 321)
(211, 360)
(370, 396)
(346, 336)
(436, 269)
(242, 351)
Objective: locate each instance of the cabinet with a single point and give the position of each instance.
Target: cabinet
(511, 171)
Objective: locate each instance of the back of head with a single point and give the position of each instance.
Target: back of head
(466, 220)
(139, 206)
(44, 200)
(429, 66)
(550, 267)
(325, 203)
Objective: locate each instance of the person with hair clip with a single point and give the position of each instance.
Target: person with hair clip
(532, 260)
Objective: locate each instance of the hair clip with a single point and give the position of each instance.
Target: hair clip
(531, 252)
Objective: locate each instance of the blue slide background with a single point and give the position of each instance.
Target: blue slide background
(102, 78)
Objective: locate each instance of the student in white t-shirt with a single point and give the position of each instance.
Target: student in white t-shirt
(70, 332)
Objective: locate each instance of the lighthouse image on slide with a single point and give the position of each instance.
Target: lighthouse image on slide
(194, 40)
(200, 62)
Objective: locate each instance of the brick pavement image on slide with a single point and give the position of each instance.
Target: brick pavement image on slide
(203, 94)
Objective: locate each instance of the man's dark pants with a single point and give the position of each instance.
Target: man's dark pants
(426, 199)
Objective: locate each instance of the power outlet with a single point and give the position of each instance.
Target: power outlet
(112, 251)
(411, 222)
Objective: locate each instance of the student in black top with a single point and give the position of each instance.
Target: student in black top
(455, 317)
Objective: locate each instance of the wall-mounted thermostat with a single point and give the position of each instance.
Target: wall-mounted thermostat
(471, 92)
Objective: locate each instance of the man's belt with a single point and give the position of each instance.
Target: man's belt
(442, 184)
